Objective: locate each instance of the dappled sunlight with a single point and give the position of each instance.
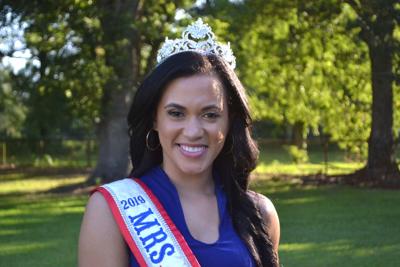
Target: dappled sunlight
(296, 247)
(15, 248)
(34, 223)
(332, 168)
(268, 185)
(296, 201)
(9, 232)
(330, 225)
(333, 246)
(320, 225)
(40, 229)
(21, 220)
(345, 166)
(39, 184)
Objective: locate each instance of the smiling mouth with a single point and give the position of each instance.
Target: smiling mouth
(192, 150)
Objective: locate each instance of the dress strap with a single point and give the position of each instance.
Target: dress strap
(146, 227)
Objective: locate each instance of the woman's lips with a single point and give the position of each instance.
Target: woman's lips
(192, 151)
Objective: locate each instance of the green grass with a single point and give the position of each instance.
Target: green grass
(321, 226)
(38, 228)
(308, 168)
(275, 159)
(335, 225)
(21, 184)
(49, 161)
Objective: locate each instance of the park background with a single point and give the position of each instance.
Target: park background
(323, 79)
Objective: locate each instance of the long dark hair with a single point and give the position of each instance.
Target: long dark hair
(237, 158)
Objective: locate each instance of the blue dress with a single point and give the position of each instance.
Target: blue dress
(228, 250)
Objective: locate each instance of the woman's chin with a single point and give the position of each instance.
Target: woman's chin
(193, 170)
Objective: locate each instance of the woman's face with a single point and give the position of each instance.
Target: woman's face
(192, 124)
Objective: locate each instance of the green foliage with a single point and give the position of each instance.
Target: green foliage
(298, 155)
(82, 52)
(46, 160)
(55, 153)
(303, 63)
(396, 85)
(12, 109)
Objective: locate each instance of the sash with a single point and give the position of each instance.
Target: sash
(146, 227)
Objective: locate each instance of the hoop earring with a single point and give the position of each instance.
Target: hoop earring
(147, 142)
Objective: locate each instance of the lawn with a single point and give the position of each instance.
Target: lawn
(38, 228)
(275, 159)
(335, 225)
(321, 226)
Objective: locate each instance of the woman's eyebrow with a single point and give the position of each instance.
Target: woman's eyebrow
(174, 105)
(208, 107)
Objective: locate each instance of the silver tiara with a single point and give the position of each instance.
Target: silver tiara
(197, 37)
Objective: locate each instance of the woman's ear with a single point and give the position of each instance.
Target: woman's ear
(155, 125)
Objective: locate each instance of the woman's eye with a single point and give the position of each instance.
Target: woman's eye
(211, 115)
(175, 113)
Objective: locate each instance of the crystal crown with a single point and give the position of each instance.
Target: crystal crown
(197, 37)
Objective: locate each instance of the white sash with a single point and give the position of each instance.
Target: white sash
(146, 227)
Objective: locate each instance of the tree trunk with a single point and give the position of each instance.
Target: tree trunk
(381, 144)
(381, 168)
(298, 136)
(128, 26)
(113, 141)
(121, 41)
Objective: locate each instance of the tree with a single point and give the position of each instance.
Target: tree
(132, 33)
(59, 69)
(88, 58)
(12, 110)
(377, 20)
(307, 63)
(302, 68)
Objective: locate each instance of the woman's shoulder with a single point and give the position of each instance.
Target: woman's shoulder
(269, 215)
(100, 241)
(263, 203)
(97, 205)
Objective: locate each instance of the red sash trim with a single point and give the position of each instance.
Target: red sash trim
(122, 227)
(178, 236)
(127, 235)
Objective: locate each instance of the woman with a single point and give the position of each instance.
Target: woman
(192, 152)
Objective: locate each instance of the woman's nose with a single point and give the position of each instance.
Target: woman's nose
(193, 129)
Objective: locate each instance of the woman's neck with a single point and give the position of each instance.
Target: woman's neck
(199, 183)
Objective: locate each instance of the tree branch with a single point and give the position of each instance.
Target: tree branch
(152, 57)
(365, 23)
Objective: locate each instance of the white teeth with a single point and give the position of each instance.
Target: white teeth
(193, 149)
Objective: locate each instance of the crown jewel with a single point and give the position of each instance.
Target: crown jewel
(197, 37)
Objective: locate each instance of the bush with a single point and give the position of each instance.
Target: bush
(298, 155)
